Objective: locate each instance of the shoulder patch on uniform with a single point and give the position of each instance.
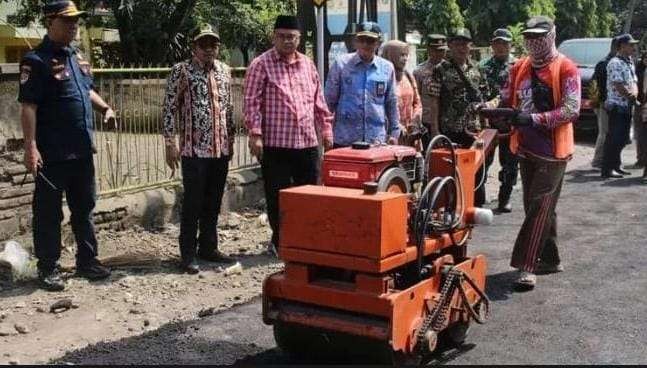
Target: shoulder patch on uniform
(25, 72)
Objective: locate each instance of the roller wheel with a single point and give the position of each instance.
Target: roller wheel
(305, 345)
(394, 180)
(294, 341)
(400, 359)
(457, 333)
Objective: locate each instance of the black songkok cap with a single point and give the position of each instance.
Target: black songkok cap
(287, 22)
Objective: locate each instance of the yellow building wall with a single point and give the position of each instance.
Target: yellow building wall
(12, 49)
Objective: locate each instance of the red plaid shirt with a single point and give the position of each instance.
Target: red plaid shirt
(284, 102)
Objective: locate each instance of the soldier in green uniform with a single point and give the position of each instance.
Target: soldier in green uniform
(496, 70)
(436, 51)
(457, 89)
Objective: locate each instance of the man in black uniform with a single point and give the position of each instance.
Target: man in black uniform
(56, 96)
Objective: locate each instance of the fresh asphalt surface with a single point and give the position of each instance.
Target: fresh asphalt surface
(595, 312)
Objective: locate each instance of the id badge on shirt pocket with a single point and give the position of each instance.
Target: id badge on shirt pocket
(380, 88)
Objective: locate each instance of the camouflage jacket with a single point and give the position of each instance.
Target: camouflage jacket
(456, 113)
(496, 74)
(423, 75)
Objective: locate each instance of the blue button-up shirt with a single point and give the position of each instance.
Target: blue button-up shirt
(363, 97)
(58, 81)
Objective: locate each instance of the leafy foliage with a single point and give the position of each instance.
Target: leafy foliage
(583, 18)
(442, 16)
(244, 24)
(485, 16)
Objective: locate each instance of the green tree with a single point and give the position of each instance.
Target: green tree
(245, 24)
(150, 31)
(485, 16)
(583, 18)
(442, 16)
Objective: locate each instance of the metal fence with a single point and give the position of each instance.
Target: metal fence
(132, 156)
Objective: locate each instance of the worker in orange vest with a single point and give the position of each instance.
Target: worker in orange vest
(544, 88)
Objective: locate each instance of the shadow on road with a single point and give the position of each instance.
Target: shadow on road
(499, 286)
(625, 182)
(583, 176)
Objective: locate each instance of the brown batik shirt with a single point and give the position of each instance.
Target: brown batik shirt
(199, 109)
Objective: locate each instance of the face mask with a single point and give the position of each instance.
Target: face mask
(542, 50)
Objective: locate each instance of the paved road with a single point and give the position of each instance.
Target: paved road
(593, 313)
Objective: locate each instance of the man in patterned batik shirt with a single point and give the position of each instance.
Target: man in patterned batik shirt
(198, 109)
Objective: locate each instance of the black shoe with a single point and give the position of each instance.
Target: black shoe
(611, 174)
(51, 280)
(545, 268)
(190, 267)
(93, 271)
(216, 256)
(623, 172)
(504, 207)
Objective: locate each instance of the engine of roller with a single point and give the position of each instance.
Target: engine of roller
(378, 253)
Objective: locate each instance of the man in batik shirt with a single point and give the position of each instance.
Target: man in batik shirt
(198, 108)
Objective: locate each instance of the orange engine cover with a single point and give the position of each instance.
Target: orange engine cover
(343, 221)
(351, 168)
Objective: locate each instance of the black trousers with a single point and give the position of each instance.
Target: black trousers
(204, 182)
(465, 140)
(75, 178)
(283, 168)
(509, 169)
(537, 240)
(617, 138)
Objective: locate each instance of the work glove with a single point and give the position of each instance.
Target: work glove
(522, 119)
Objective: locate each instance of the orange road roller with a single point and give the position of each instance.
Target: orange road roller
(378, 253)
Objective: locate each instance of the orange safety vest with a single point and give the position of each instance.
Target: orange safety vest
(563, 141)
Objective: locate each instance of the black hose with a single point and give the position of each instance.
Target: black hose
(430, 148)
(421, 226)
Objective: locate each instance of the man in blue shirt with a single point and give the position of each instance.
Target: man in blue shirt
(360, 90)
(56, 96)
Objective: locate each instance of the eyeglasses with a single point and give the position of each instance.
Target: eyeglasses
(287, 37)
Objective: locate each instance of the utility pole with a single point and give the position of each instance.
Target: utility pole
(321, 46)
(630, 16)
(394, 19)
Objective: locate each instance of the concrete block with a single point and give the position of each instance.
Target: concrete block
(14, 202)
(17, 191)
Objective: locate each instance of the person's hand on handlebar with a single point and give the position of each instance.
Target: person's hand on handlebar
(522, 119)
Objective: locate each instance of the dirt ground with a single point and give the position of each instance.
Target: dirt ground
(133, 300)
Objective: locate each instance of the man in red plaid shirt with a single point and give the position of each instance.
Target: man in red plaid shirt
(284, 108)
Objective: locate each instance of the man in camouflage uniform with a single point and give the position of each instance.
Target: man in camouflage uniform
(436, 51)
(454, 102)
(496, 70)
